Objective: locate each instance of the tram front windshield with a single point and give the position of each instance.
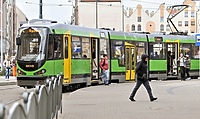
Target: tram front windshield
(33, 40)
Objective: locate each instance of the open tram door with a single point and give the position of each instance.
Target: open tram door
(95, 60)
(67, 59)
(172, 56)
(130, 58)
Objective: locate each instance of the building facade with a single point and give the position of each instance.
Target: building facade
(111, 14)
(11, 17)
(101, 14)
(140, 20)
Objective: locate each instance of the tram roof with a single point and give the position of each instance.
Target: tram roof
(61, 28)
(120, 35)
(179, 38)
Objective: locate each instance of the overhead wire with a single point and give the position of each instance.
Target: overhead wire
(111, 5)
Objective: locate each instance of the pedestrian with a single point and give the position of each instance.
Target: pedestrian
(104, 67)
(7, 63)
(187, 66)
(142, 78)
(182, 66)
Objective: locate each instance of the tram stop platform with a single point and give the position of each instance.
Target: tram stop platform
(176, 100)
(12, 81)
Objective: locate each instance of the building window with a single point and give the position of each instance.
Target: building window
(161, 27)
(179, 23)
(139, 27)
(139, 19)
(192, 23)
(167, 28)
(186, 23)
(161, 19)
(186, 14)
(192, 14)
(133, 27)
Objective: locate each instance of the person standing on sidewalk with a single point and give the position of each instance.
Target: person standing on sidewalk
(104, 66)
(182, 66)
(7, 63)
(187, 66)
(142, 78)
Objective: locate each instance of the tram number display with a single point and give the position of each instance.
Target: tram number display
(158, 39)
(29, 66)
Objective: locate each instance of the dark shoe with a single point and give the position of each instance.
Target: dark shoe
(132, 99)
(100, 79)
(152, 99)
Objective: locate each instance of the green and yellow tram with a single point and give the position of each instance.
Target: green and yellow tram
(47, 48)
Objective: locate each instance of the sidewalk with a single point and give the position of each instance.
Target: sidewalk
(11, 81)
(176, 100)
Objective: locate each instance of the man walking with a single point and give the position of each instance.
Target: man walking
(142, 78)
(104, 67)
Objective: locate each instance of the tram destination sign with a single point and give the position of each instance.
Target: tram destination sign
(197, 37)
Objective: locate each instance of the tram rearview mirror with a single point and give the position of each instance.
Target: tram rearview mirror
(18, 41)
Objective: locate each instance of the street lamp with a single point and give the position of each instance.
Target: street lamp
(122, 17)
(1, 35)
(75, 12)
(96, 14)
(40, 9)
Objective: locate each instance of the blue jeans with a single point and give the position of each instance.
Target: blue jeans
(7, 73)
(105, 76)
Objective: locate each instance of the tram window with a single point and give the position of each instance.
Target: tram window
(58, 53)
(85, 47)
(118, 51)
(191, 49)
(66, 47)
(140, 51)
(186, 49)
(157, 51)
(76, 47)
(196, 52)
(50, 48)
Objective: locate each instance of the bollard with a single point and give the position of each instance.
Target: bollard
(2, 111)
(25, 96)
(14, 70)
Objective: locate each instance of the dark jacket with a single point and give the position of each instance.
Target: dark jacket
(141, 69)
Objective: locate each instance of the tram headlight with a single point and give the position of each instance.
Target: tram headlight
(40, 72)
(43, 71)
(20, 72)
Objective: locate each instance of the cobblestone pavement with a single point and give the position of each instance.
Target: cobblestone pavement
(176, 100)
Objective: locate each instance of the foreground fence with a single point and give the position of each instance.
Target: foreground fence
(44, 103)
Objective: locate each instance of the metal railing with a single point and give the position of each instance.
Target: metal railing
(44, 103)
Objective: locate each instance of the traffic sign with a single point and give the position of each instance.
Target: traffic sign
(197, 37)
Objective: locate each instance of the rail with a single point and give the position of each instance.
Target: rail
(44, 103)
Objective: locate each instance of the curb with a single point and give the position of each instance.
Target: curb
(8, 83)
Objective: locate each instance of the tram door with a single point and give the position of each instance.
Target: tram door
(172, 58)
(130, 58)
(94, 60)
(67, 59)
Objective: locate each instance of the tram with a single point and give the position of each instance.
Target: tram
(47, 48)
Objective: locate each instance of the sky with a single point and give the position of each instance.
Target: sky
(61, 10)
